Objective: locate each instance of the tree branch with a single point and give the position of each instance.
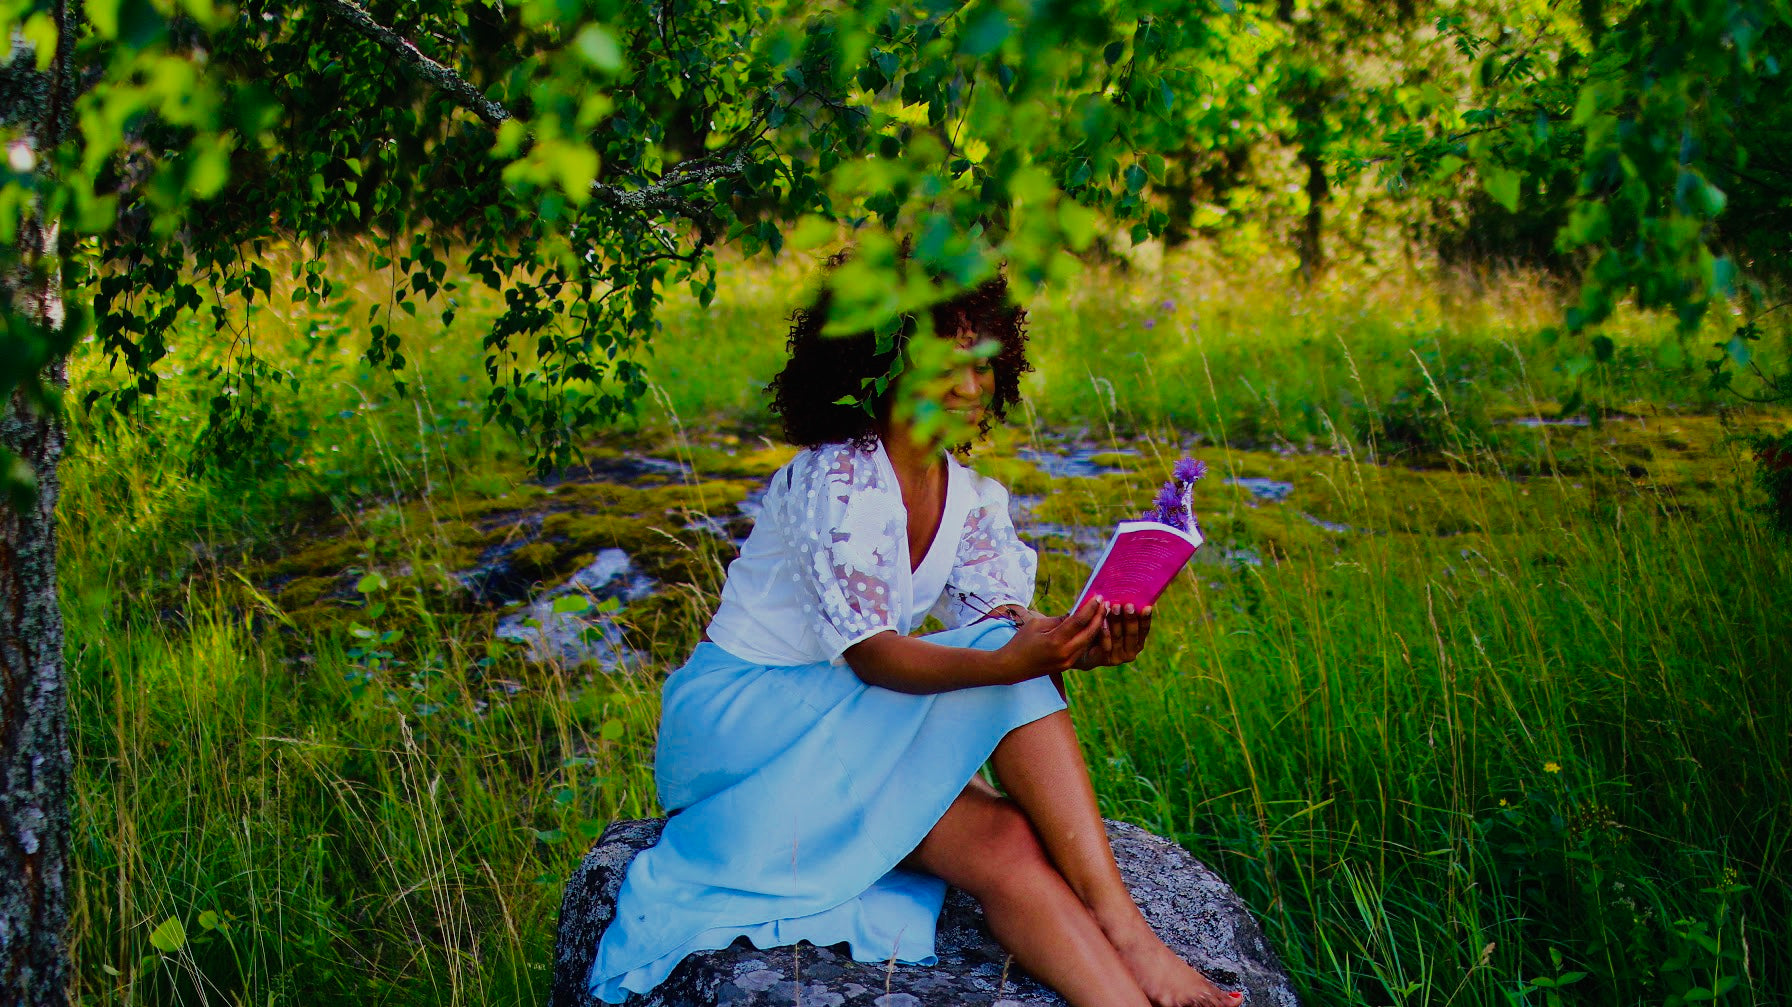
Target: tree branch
(435, 73)
(656, 196)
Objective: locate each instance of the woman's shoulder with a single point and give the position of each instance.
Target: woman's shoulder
(845, 464)
(987, 491)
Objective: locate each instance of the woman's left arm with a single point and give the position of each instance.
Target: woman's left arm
(997, 569)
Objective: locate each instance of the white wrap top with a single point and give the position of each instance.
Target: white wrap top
(827, 564)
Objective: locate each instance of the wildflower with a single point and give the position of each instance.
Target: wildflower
(1168, 507)
(1168, 305)
(1151, 323)
(1552, 767)
(1174, 504)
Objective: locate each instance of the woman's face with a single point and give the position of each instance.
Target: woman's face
(973, 379)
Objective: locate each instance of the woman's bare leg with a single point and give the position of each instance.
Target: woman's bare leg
(984, 845)
(1042, 768)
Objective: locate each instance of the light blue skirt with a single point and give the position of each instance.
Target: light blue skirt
(798, 789)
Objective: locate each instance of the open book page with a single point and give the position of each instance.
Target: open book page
(1139, 562)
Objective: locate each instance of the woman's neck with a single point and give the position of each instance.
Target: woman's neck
(914, 460)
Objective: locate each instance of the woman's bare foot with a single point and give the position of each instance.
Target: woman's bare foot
(1166, 979)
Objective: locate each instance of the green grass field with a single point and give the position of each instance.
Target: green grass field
(1471, 707)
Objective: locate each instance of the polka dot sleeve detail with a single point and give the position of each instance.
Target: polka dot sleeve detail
(843, 521)
(992, 566)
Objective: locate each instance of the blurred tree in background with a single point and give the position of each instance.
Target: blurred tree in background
(585, 156)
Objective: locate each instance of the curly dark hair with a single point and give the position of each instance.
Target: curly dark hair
(822, 370)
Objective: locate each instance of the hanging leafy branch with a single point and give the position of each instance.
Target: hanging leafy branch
(635, 136)
(1670, 120)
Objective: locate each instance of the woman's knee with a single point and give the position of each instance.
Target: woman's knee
(1010, 857)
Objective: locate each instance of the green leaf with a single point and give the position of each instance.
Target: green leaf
(140, 24)
(370, 582)
(1602, 349)
(612, 730)
(1077, 222)
(40, 31)
(169, 937)
(202, 11)
(103, 15)
(211, 168)
(1502, 185)
(1723, 276)
(551, 836)
(598, 46)
(1113, 52)
(986, 31)
(568, 604)
(812, 231)
(208, 920)
(1712, 199)
(1135, 179)
(1588, 222)
(1587, 105)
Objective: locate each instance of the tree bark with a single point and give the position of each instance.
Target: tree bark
(1312, 232)
(34, 744)
(1308, 97)
(34, 752)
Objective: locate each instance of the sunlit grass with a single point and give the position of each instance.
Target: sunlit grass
(1525, 718)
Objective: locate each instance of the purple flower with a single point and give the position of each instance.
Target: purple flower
(1174, 504)
(1170, 507)
(1169, 305)
(1167, 498)
(1151, 323)
(1174, 517)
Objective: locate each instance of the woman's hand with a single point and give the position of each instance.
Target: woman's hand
(1045, 645)
(1121, 639)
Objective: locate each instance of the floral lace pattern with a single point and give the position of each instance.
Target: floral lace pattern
(993, 566)
(844, 522)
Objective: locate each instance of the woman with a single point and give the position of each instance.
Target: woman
(820, 765)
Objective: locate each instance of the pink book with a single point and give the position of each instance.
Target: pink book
(1139, 563)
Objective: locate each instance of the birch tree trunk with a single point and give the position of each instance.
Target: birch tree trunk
(34, 745)
(34, 754)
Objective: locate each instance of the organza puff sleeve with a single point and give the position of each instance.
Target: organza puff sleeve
(993, 566)
(844, 524)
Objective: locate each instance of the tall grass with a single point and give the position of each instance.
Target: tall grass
(1439, 765)
(1520, 736)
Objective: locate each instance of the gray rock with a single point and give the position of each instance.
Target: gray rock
(1194, 911)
